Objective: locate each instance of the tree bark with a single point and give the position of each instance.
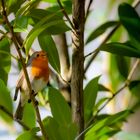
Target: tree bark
(78, 17)
(62, 46)
(61, 42)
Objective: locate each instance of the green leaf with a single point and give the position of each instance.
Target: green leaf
(57, 131)
(105, 137)
(38, 28)
(66, 4)
(98, 125)
(24, 136)
(105, 131)
(34, 130)
(5, 63)
(120, 116)
(59, 107)
(5, 101)
(9, 54)
(115, 78)
(52, 127)
(21, 24)
(53, 1)
(134, 86)
(29, 135)
(120, 49)
(123, 65)
(68, 132)
(103, 88)
(134, 83)
(29, 111)
(90, 94)
(130, 20)
(26, 7)
(38, 14)
(46, 42)
(100, 30)
(99, 103)
(11, 5)
(110, 120)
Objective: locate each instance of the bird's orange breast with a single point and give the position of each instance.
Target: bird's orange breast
(40, 68)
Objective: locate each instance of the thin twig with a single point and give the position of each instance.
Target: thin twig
(66, 82)
(24, 69)
(88, 7)
(2, 108)
(65, 14)
(136, 3)
(127, 82)
(105, 40)
(95, 52)
(133, 69)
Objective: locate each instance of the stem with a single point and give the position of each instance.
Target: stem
(133, 70)
(96, 52)
(2, 108)
(78, 16)
(88, 7)
(61, 42)
(98, 49)
(24, 69)
(127, 82)
(65, 13)
(64, 77)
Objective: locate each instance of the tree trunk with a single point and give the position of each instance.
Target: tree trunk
(78, 15)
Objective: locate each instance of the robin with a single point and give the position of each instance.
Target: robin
(38, 72)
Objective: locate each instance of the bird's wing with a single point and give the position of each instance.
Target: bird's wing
(19, 84)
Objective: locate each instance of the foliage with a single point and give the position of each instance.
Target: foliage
(44, 24)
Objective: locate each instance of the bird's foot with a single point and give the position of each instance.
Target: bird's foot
(33, 93)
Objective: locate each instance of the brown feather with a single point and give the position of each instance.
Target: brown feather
(19, 112)
(19, 84)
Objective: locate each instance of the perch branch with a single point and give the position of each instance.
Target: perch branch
(24, 68)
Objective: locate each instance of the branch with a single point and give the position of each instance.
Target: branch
(24, 68)
(96, 52)
(77, 76)
(62, 46)
(133, 70)
(2, 108)
(65, 14)
(98, 49)
(88, 7)
(127, 82)
(88, 126)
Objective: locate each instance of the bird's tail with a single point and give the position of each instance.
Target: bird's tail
(19, 112)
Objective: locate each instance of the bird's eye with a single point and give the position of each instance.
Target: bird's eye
(37, 55)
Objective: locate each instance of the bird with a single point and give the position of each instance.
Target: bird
(38, 72)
